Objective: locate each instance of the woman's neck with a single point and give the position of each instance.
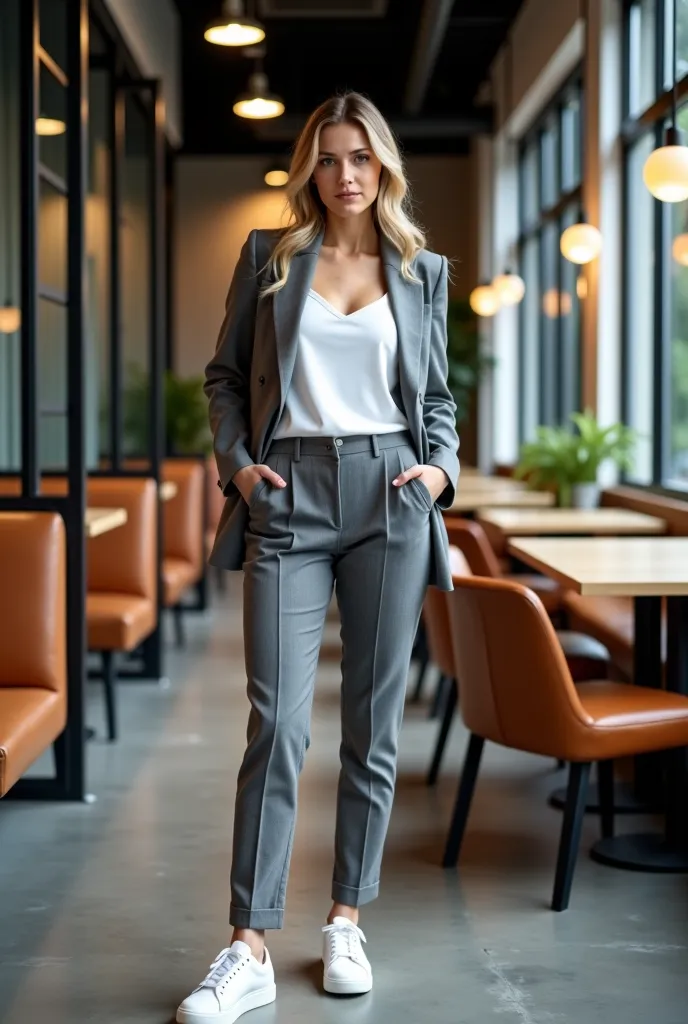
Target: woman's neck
(352, 236)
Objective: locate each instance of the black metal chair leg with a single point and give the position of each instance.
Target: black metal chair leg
(109, 682)
(447, 719)
(464, 797)
(605, 790)
(60, 757)
(179, 632)
(441, 695)
(579, 775)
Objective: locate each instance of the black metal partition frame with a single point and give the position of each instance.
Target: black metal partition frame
(69, 781)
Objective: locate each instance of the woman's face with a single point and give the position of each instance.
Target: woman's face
(347, 173)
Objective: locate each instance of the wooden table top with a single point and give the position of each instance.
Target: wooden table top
(616, 566)
(526, 522)
(469, 499)
(102, 520)
(478, 482)
(168, 490)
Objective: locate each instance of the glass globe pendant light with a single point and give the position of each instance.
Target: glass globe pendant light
(666, 169)
(233, 28)
(580, 243)
(510, 288)
(484, 300)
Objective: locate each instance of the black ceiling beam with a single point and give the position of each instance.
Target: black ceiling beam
(431, 32)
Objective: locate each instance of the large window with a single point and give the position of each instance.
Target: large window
(656, 253)
(550, 200)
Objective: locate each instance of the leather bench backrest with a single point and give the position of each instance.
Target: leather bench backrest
(33, 600)
(123, 561)
(183, 528)
(672, 510)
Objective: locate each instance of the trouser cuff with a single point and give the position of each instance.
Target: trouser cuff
(239, 917)
(353, 897)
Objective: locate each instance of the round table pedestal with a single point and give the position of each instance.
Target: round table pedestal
(649, 852)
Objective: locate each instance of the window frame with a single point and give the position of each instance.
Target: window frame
(565, 200)
(650, 120)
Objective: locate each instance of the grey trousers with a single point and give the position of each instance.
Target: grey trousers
(338, 523)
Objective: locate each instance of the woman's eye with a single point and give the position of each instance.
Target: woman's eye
(326, 161)
(363, 157)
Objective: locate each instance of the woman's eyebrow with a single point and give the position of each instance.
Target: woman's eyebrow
(326, 152)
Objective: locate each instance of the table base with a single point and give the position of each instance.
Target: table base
(642, 852)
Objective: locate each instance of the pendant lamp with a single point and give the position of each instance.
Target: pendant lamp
(580, 243)
(484, 300)
(233, 28)
(50, 126)
(258, 103)
(666, 169)
(10, 315)
(510, 288)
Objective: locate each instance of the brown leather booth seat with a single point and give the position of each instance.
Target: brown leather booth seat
(121, 598)
(183, 539)
(33, 661)
(516, 690)
(469, 536)
(183, 534)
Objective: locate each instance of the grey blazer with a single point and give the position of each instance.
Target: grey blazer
(248, 378)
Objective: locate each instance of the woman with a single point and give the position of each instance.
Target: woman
(336, 447)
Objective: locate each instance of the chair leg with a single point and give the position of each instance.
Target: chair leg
(109, 682)
(447, 718)
(60, 757)
(605, 790)
(577, 792)
(422, 656)
(179, 632)
(464, 797)
(439, 700)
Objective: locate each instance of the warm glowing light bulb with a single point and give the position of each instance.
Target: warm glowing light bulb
(50, 126)
(258, 108)
(510, 289)
(276, 178)
(10, 319)
(484, 300)
(581, 243)
(666, 173)
(234, 33)
(679, 249)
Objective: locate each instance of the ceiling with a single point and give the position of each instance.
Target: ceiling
(421, 61)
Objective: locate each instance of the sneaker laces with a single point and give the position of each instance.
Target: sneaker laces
(221, 966)
(344, 939)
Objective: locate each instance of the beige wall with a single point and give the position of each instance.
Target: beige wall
(217, 202)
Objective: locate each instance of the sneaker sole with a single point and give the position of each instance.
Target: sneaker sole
(251, 1001)
(347, 988)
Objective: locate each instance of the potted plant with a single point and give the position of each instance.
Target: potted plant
(186, 414)
(467, 362)
(568, 462)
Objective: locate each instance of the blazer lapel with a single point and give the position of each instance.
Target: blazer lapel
(406, 300)
(287, 307)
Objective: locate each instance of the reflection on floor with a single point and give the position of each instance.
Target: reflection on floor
(112, 912)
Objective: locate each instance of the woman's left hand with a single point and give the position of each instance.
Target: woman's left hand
(434, 478)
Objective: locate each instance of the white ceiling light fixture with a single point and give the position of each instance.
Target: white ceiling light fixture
(234, 28)
(580, 243)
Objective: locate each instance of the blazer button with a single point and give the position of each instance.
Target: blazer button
(261, 380)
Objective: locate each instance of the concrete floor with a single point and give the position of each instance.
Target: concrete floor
(111, 912)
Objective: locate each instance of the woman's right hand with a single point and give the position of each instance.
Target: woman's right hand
(249, 477)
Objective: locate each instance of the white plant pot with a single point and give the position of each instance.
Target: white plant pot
(585, 495)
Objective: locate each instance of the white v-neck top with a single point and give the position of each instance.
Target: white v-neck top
(345, 370)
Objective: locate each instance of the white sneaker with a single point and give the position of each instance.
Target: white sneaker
(347, 970)
(235, 984)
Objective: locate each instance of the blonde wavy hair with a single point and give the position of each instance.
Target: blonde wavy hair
(391, 209)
